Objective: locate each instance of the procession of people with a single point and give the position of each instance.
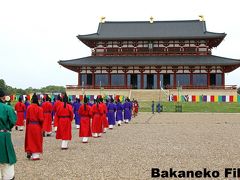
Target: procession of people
(44, 117)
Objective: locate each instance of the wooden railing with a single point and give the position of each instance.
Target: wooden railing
(166, 87)
(97, 87)
(150, 53)
(204, 87)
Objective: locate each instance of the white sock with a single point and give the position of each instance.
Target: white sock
(64, 144)
(7, 171)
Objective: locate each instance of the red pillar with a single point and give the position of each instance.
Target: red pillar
(223, 80)
(191, 78)
(79, 79)
(109, 80)
(125, 79)
(208, 79)
(93, 80)
(142, 80)
(158, 80)
(174, 79)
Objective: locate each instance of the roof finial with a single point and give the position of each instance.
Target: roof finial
(102, 19)
(201, 17)
(151, 19)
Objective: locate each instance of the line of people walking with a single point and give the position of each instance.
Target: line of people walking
(92, 120)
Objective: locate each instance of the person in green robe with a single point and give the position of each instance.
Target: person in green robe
(7, 154)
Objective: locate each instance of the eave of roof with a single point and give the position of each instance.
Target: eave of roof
(209, 60)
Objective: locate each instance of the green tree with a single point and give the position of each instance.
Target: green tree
(52, 89)
(238, 90)
(48, 89)
(10, 90)
(2, 85)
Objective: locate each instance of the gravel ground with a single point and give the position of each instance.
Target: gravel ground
(183, 141)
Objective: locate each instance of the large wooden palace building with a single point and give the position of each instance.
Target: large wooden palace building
(148, 55)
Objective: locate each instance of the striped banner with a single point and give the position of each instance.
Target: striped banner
(204, 98)
(197, 98)
(227, 98)
(219, 98)
(235, 99)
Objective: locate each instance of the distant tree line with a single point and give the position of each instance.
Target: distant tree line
(238, 90)
(48, 89)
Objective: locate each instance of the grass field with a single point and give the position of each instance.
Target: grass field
(193, 107)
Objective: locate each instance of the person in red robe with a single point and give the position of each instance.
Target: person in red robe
(97, 112)
(104, 115)
(55, 107)
(20, 108)
(47, 113)
(135, 108)
(85, 123)
(64, 117)
(33, 135)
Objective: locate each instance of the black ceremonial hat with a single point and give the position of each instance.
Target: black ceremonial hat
(35, 98)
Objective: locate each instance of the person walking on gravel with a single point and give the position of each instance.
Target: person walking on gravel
(20, 108)
(33, 135)
(64, 117)
(85, 123)
(7, 154)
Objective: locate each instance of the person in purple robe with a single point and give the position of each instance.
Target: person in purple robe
(53, 112)
(127, 110)
(111, 114)
(119, 113)
(107, 102)
(76, 106)
(89, 103)
(27, 103)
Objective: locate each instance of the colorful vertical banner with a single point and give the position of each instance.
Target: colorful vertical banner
(211, 98)
(204, 98)
(234, 98)
(175, 98)
(193, 98)
(238, 99)
(197, 98)
(227, 98)
(219, 98)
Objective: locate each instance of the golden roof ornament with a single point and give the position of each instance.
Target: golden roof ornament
(201, 18)
(102, 19)
(151, 19)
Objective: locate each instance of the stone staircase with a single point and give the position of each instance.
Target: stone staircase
(149, 95)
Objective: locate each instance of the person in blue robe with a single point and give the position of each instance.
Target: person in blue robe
(76, 106)
(119, 112)
(53, 112)
(127, 110)
(111, 114)
(27, 103)
(153, 107)
(158, 107)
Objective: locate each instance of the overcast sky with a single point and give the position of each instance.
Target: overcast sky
(35, 35)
